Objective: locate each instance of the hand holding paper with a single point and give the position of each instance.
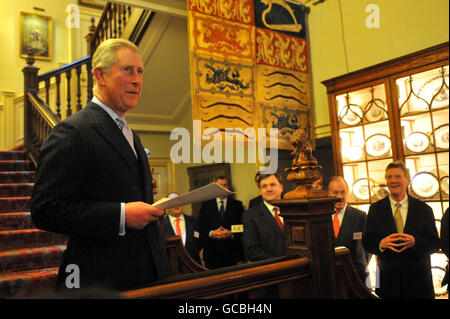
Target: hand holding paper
(139, 214)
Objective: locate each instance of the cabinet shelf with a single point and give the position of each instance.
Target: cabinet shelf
(404, 89)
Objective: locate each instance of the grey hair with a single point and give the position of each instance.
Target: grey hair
(105, 54)
(336, 179)
(400, 165)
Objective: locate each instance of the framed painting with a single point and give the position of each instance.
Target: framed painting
(36, 35)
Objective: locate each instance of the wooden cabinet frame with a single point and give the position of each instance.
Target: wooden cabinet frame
(385, 73)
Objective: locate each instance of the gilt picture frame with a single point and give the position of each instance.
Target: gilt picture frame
(36, 35)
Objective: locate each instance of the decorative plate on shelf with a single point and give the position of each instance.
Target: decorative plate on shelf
(417, 142)
(425, 184)
(374, 112)
(350, 114)
(353, 153)
(444, 185)
(378, 145)
(379, 190)
(441, 136)
(434, 91)
(360, 189)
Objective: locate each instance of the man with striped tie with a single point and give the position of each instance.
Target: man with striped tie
(94, 183)
(402, 233)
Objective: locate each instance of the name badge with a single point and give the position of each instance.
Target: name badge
(196, 234)
(357, 235)
(237, 228)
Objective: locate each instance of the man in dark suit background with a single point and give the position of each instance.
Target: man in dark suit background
(444, 245)
(187, 227)
(263, 236)
(349, 223)
(402, 233)
(222, 247)
(258, 199)
(94, 183)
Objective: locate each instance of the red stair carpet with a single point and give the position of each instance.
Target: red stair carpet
(29, 257)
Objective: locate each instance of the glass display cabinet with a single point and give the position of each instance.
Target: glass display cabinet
(396, 110)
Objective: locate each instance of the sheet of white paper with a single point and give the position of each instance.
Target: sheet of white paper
(201, 194)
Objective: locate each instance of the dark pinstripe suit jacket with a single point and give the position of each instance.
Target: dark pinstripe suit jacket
(85, 169)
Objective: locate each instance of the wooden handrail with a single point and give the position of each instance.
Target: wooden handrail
(50, 118)
(64, 68)
(228, 280)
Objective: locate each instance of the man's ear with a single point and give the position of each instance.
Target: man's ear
(99, 75)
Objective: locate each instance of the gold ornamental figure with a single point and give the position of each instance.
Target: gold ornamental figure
(305, 172)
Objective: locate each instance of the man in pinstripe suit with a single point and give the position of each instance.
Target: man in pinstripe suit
(94, 184)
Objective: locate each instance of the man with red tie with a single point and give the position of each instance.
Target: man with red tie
(263, 227)
(187, 227)
(349, 224)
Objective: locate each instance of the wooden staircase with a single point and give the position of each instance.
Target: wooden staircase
(29, 257)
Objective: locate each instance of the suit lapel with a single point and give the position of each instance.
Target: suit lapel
(267, 218)
(411, 216)
(347, 222)
(388, 215)
(145, 168)
(169, 228)
(189, 230)
(106, 127)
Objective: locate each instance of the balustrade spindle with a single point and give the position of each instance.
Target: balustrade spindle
(58, 95)
(78, 72)
(115, 21)
(47, 91)
(124, 11)
(69, 110)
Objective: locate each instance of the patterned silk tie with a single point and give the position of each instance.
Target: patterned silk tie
(277, 218)
(336, 223)
(398, 218)
(178, 228)
(122, 124)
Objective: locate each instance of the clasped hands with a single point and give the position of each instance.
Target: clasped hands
(397, 242)
(139, 214)
(221, 233)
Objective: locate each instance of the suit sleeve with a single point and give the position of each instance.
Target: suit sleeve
(371, 235)
(427, 239)
(444, 233)
(251, 240)
(56, 204)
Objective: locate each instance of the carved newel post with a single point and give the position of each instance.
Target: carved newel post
(30, 73)
(307, 218)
